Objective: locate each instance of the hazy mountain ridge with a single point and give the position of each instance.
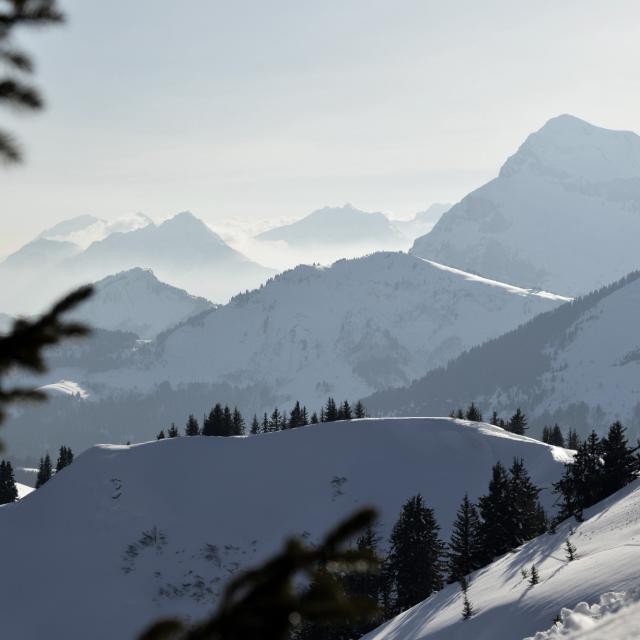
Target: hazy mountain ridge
(575, 365)
(570, 190)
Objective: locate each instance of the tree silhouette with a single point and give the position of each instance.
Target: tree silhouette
(15, 91)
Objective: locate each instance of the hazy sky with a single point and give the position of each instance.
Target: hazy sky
(271, 108)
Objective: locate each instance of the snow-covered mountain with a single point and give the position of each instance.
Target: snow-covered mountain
(6, 322)
(577, 365)
(115, 535)
(564, 212)
(344, 225)
(508, 608)
(182, 251)
(136, 301)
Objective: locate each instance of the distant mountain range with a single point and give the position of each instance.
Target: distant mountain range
(339, 226)
(356, 327)
(182, 251)
(563, 214)
(578, 365)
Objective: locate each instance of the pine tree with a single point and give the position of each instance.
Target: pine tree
(495, 511)
(570, 550)
(572, 439)
(620, 463)
(556, 437)
(473, 413)
(161, 435)
(255, 425)
(546, 435)
(359, 411)
(295, 418)
(275, 422)
(265, 423)
(65, 458)
(345, 411)
(8, 489)
(304, 416)
(237, 423)
(494, 419)
(314, 418)
(44, 471)
(460, 414)
(227, 421)
(214, 424)
(173, 431)
(534, 576)
(526, 517)
(416, 554)
(518, 423)
(330, 411)
(192, 427)
(465, 548)
(467, 608)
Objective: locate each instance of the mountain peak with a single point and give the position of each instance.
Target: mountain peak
(567, 147)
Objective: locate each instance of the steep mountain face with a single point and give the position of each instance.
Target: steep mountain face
(339, 225)
(182, 251)
(563, 213)
(120, 513)
(507, 607)
(136, 301)
(577, 365)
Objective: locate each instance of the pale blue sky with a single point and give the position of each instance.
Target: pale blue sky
(256, 109)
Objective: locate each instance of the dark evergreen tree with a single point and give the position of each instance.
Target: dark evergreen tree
(345, 412)
(8, 489)
(473, 413)
(227, 421)
(255, 425)
(518, 423)
(416, 554)
(556, 437)
(572, 439)
(546, 435)
(467, 608)
(161, 435)
(192, 427)
(526, 516)
(534, 576)
(620, 463)
(65, 458)
(275, 422)
(460, 414)
(284, 421)
(570, 550)
(330, 411)
(296, 417)
(214, 425)
(494, 419)
(237, 423)
(44, 471)
(495, 511)
(304, 416)
(173, 431)
(265, 423)
(314, 418)
(465, 548)
(359, 411)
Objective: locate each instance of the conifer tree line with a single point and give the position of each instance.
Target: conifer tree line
(518, 424)
(600, 467)
(8, 489)
(223, 421)
(45, 467)
(418, 562)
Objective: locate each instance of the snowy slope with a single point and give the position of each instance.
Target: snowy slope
(508, 608)
(577, 365)
(220, 504)
(348, 330)
(563, 213)
(339, 225)
(137, 301)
